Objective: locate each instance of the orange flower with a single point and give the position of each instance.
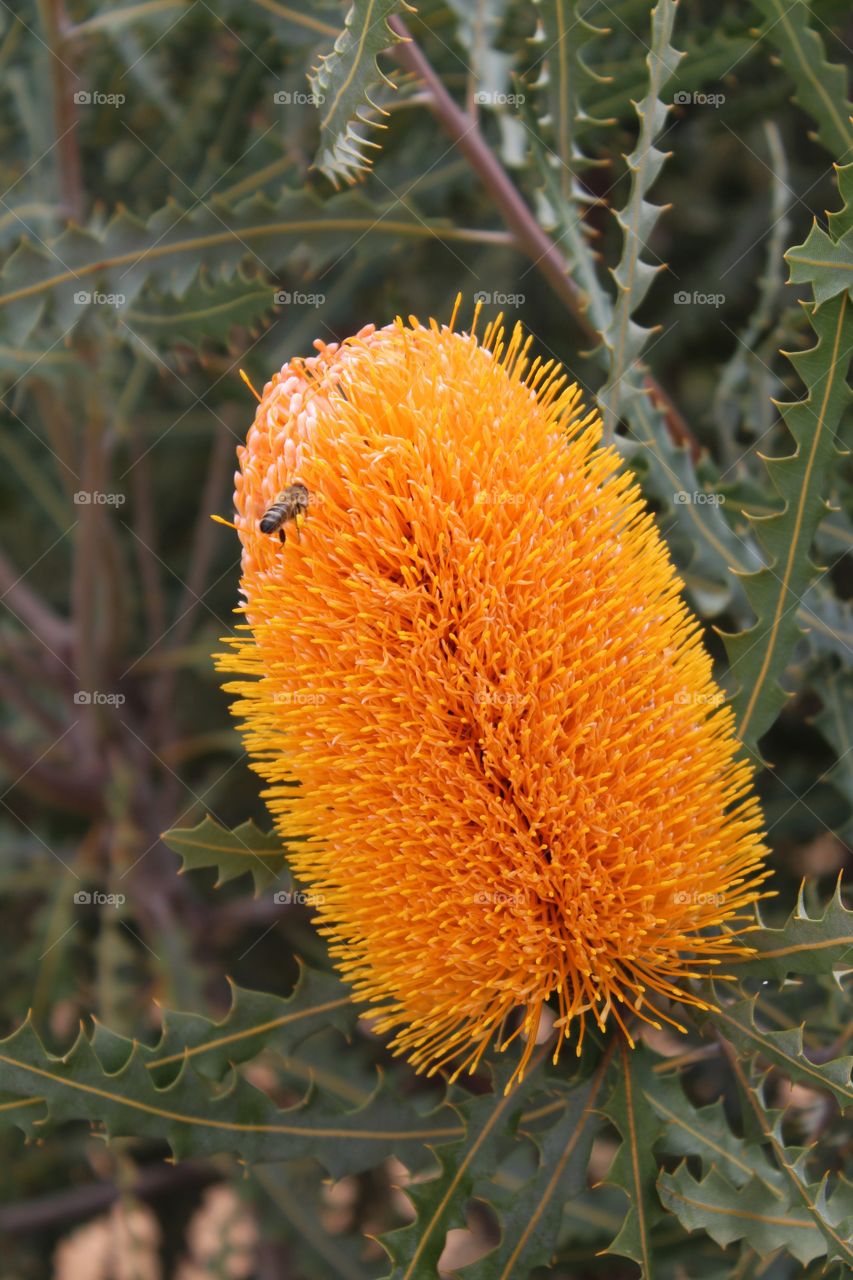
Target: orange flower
(489, 729)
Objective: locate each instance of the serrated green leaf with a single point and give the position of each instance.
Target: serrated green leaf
(489, 1123)
(255, 1021)
(531, 1220)
(804, 944)
(705, 1131)
(624, 339)
(749, 1212)
(832, 1217)
(199, 1121)
(244, 851)
(710, 54)
(530, 1223)
(821, 86)
(208, 309)
(784, 1049)
(343, 83)
(760, 654)
(634, 1167)
(824, 263)
(167, 251)
(564, 84)
(559, 211)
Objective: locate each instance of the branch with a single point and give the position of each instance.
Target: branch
(55, 23)
(82, 1202)
(32, 611)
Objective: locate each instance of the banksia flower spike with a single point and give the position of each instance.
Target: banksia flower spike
(489, 729)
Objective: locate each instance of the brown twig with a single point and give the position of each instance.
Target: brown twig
(153, 596)
(55, 23)
(33, 612)
(83, 1202)
(74, 789)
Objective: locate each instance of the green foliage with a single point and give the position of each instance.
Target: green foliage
(196, 1120)
(821, 85)
(531, 1216)
(760, 654)
(784, 1049)
(805, 944)
(566, 81)
(635, 1168)
(63, 279)
(624, 338)
(243, 851)
(342, 84)
(751, 1212)
(152, 247)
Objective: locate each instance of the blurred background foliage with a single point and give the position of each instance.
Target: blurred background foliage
(177, 206)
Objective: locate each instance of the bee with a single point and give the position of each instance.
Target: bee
(290, 504)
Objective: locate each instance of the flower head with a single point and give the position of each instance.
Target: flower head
(488, 726)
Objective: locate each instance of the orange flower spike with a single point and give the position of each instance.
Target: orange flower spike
(482, 710)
